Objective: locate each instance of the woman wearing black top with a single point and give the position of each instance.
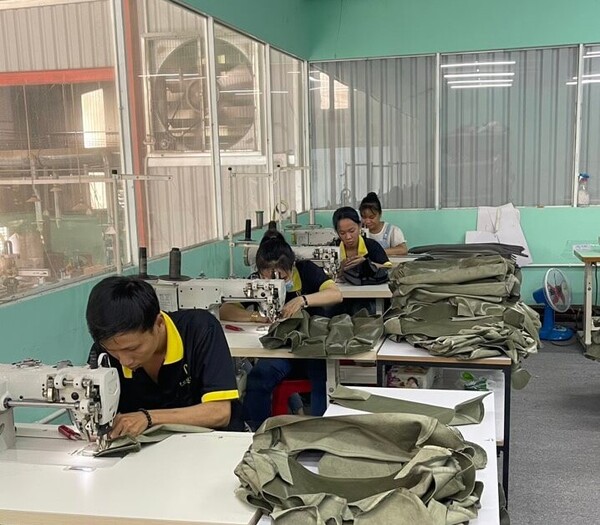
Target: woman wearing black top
(308, 288)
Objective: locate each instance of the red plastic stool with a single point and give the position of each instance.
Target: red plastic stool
(283, 391)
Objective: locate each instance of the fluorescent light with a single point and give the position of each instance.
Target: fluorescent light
(314, 79)
(488, 81)
(477, 64)
(590, 81)
(473, 86)
(476, 75)
(279, 92)
(591, 75)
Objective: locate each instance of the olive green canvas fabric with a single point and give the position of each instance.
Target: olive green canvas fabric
(374, 469)
(470, 412)
(466, 308)
(125, 444)
(318, 336)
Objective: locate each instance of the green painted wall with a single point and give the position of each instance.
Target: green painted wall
(328, 29)
(550, 233)
(375, 28)
(285, 24)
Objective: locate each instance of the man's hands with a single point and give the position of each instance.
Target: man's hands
(353, 261)
(132, 424)
(291, 307)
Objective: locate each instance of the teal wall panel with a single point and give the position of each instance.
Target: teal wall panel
(330, 29)
(375, 28)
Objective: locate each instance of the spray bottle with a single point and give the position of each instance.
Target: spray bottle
(583, 196)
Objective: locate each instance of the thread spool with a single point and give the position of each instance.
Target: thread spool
(175, 267)
(294, 217)
(260, 217)
(143, 258)
(248, 230)
(311, 216)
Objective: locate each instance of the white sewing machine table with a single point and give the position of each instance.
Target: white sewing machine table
(187, 479)
(379, 292)
(246, 344)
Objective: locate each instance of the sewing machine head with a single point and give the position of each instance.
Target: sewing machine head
(91, 396)
(313, 236)
(209, 294)
(327, 257)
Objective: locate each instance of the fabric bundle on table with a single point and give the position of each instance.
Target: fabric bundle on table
(510, 251)
(374, 469)
(466, 308)
(318, 336)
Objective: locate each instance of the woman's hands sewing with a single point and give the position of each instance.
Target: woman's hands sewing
(291, 307)
(353, 261)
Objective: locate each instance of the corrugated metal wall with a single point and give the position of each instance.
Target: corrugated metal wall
(160, 16)
(64, 36)
(590, 127)
(513, 143)
(372, 130)
(179, 212)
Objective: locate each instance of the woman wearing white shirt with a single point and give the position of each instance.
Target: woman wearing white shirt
(388, 235)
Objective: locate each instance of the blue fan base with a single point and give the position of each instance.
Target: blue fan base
(550, 331)
(556, 333)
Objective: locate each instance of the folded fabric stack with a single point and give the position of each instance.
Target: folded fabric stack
(318, 336)
(466, 308)
(510, 251)
(377, 468)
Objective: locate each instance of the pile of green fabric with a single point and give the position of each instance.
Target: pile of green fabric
(466, 308)
(318, 336)
(374, 469)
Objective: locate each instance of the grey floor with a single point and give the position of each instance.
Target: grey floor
(555, 450)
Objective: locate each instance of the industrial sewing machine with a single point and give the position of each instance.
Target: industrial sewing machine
(209, 294)
(313, 236)
(91, 396)
(327, 257)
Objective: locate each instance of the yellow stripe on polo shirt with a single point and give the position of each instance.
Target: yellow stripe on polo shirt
(221, 395)
(296, 280)
(174, 351)
(327, 284)
(362, 248)
(174, 342)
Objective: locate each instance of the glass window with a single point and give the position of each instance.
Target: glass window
(172, 84)
(61, 214)
(590, 122)
(287, 113)
(507, 128)
(372, 129)
(240, 84)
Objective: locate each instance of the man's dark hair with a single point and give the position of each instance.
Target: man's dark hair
(345, 212)
(121, 304)
(372, 203)
(274, 252)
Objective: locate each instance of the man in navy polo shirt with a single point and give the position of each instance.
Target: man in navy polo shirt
(174, 368)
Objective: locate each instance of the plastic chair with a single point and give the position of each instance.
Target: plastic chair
(283, 391)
